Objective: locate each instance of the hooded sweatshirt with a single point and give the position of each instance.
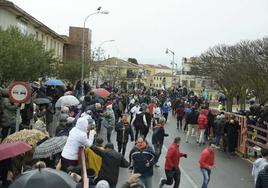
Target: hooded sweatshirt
(77, 137)
(258, 165)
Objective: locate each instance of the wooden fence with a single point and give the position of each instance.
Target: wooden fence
(82, 162)
(249, 135)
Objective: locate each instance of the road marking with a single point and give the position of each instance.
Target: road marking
(191, 181)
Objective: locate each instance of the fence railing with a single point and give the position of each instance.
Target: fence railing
(82, 162)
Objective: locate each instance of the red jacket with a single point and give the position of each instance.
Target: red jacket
(150, 107)
(180, 111)
(203, 120)
(173, 157)
(206, 158)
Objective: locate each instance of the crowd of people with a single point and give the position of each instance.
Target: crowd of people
(131, 115)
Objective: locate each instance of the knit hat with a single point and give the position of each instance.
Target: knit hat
(102, 184)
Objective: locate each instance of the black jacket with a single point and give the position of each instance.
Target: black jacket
(123, 133)
(192, 118)
(138, 158)
(262, 180)
(111, 162)
(158, 135)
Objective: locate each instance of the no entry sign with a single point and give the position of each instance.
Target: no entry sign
(19, 92)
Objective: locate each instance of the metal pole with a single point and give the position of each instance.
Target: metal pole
(83, 52)
(172, 69)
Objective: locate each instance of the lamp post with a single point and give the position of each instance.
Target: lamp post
(173, 54)
(99, 51)
(83, 46)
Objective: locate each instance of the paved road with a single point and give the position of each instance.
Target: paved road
(231, 172)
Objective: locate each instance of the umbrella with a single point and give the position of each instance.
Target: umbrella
(54, 82)
(68, 100)
(50, 147)
(44, 178)
(102, 92)
(10, 150)
(30, 137)
(42, 101)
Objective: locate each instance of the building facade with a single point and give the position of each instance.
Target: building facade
(190, 80)
(73, 46)
(12, 15)
(159, 76)
(117, 73)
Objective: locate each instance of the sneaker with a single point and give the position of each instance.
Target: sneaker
(156, 165)
(186, 141)
(161, 183)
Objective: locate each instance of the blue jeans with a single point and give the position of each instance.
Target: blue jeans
(218, 139)
(146, 181)
(206, 177)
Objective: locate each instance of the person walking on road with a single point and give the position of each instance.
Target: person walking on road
(192, 120)
(123, 130)
(165, 109)
(172, 169)
(139, 122)
(111, 163)
(142, 159)
(180, 114)
(260, 164)
(207, 163)
(158, 138)
(262, 180)
(202, 126)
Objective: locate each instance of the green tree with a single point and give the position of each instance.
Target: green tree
(22, 58)
(71, 71)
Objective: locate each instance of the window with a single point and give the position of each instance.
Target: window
(154, 78)
(36, 35)
(192, 84)
(22, 26)
(42, 38)
(51, 44)
(47, 41)
(160, 78)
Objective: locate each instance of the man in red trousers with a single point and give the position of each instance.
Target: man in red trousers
(172, 169)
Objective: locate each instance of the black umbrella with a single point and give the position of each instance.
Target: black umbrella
(44, 178)
(41, 101)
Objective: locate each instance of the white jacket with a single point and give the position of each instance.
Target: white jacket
(76, 138)
(258, 165)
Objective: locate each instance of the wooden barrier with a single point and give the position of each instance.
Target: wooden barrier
(82, 162)
(242, 134)
(254, 137)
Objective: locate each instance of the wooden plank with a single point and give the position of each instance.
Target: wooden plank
(82, 161)
(257, 143)
(258, 128)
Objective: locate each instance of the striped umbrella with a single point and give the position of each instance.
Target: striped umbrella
(50, 147)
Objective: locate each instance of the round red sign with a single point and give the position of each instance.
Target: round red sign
(19, 92)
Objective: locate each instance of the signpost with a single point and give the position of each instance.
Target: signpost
(19, 92)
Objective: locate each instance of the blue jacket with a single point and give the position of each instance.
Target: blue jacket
(138, 158)
(165, 108)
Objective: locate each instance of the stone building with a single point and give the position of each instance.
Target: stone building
(12, 15)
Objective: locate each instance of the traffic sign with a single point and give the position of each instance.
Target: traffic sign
(19, 92)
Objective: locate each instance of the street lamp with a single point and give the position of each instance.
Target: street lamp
(99, 48)
(83, 46)
(173, 54)
(99, 51)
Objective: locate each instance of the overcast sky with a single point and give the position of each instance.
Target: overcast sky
(143, 29)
